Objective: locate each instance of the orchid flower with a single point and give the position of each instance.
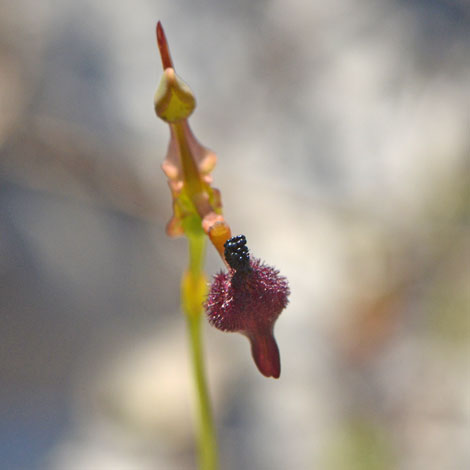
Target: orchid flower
(249, 295)
(247, 300)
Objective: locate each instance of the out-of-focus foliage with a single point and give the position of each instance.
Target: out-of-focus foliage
(360, 446)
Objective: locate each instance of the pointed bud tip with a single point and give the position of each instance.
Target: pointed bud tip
(163, 47)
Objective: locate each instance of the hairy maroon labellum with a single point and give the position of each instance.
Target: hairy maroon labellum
(249, 302)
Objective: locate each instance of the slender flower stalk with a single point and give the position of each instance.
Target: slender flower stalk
(250, 295)
(187, 167)
(193, 293)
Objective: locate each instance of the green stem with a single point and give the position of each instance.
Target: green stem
(194, 287)
(197, 248)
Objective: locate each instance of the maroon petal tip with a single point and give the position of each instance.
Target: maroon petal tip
(266, 354)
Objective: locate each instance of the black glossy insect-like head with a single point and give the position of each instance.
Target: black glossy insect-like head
(236, 254)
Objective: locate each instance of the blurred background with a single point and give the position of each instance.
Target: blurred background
(342, 130)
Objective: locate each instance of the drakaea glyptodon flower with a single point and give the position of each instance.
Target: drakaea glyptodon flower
(250, 295)
(248, 299)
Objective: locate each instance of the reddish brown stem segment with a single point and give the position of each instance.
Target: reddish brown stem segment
(163, 47)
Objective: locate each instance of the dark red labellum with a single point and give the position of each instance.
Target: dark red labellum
(249, 302)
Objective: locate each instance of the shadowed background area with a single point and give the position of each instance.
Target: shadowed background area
(342, 131)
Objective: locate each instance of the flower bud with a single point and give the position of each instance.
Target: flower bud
(174, 100)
